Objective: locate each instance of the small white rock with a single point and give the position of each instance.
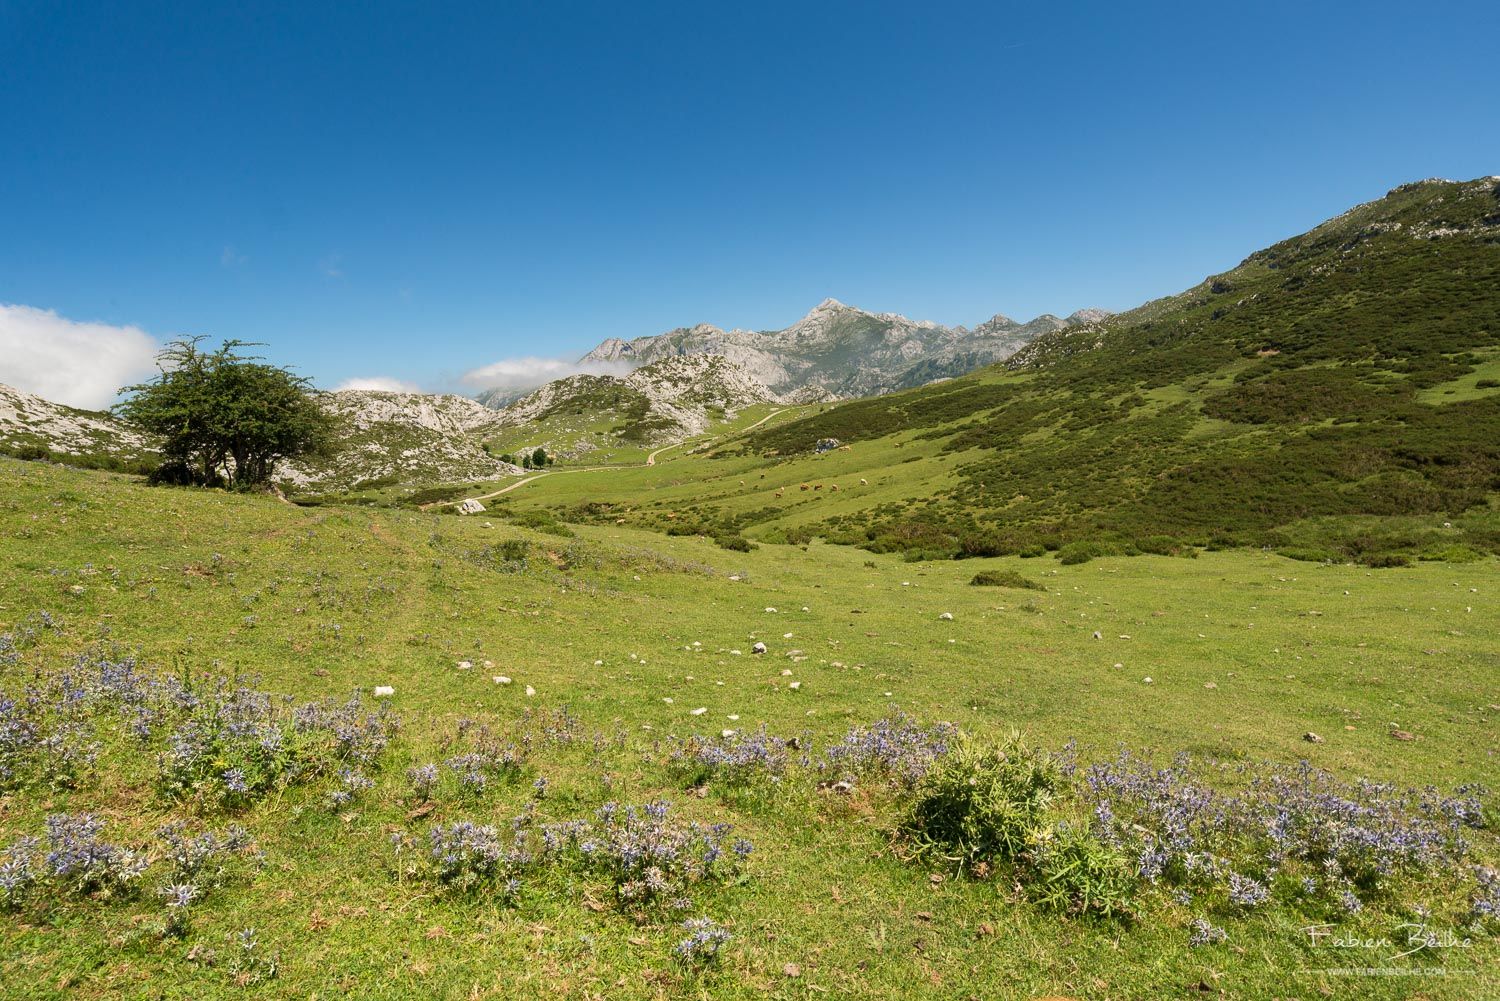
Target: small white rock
(758, 648)
(465, 665)
(795, 685)
(668, 700)
(384, 691)
(700, 711)
(946, 616)
(501, 679)
(1146, 681)
(786, 673)
(530, 690)
(770, 610)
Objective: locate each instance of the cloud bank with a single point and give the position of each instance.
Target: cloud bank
(379, 383)
(65, 361)
(530, 372)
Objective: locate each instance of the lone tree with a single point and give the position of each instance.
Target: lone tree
(539, 458)
(225, 417)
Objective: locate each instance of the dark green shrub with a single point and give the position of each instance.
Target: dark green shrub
(1083, 551)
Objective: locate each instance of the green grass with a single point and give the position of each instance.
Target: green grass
(1289, 646)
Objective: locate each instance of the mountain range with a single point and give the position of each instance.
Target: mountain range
(839, 351)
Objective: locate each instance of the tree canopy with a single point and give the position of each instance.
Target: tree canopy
(226, 417)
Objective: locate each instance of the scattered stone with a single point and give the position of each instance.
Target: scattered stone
(786, 672)
(1312, 738)
(946, 616)
(384, 691)
(758, 648)
(530, 690)
(770, 610)
(700, 711)
(1210, 685)
(1146, 680)
(501, 679)
(1098, 635)
(795, 685)
(1403, 735)
(465, 665)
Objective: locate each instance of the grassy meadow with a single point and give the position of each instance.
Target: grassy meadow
(613, 639)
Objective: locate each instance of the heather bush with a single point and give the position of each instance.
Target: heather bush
(895, 750)
(734, 758)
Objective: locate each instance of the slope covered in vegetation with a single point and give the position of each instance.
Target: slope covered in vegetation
(1334, 396)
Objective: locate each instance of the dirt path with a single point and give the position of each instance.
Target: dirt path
(651, 459)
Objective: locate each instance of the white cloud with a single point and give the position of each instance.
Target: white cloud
(528, 373)
(65, 361)
(380, 383)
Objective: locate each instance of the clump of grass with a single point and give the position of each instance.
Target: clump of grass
(1004, 578)
(980, 802)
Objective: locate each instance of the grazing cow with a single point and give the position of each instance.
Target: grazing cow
(864, 482)
(817, 486)
(834, 488)
(805, 487)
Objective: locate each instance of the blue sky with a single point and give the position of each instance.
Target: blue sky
(414, 190)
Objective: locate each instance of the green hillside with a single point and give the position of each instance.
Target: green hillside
(1335, 396)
